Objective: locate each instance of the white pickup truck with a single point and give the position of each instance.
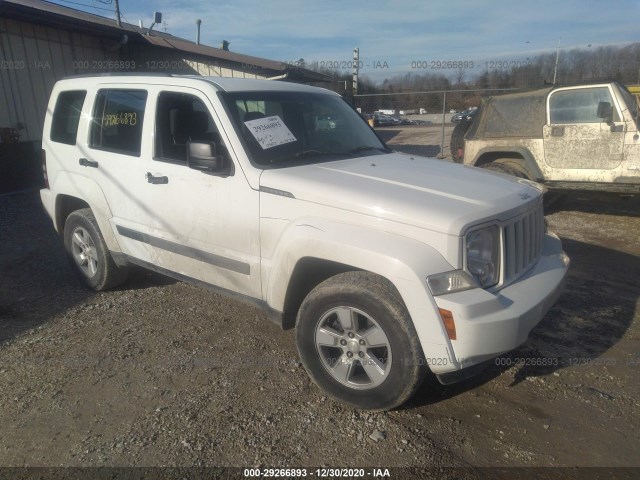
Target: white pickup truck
(388, 265)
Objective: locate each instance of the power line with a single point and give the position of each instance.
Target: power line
(86, 5)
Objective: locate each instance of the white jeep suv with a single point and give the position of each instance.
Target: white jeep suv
(388, 265)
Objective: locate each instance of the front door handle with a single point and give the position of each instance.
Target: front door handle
(156, 180)
(88, 163)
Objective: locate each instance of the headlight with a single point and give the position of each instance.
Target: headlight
(450, 282)
(483, 255)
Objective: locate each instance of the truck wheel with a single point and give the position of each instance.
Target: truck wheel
(357, 342)
(88, 253)
(510, 167)
(456, 144)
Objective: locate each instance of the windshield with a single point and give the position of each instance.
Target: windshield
(282, 129)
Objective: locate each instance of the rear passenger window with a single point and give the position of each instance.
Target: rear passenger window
(117, 121)
(66, 116)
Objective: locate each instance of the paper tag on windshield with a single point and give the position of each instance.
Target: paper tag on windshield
(270, 131)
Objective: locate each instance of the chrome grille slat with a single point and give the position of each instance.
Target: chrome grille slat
(510, 250)
(519, 245)
(523, 238)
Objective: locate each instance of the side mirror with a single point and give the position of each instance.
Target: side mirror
(605, 111)
(203, 156)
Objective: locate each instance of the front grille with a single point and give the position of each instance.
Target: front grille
(523, 239)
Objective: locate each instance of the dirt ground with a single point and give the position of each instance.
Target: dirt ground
(161, 373)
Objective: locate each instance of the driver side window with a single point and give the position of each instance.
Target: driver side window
(579, 106)
(181, 118)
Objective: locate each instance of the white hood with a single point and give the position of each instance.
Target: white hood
(423, 192)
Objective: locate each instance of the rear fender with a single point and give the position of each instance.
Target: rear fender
(88, 190)
(489, 154)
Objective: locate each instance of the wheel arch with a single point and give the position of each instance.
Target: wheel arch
(307, 273)
(74, 192)
(524, 155)
(311, 254)
(65, 205)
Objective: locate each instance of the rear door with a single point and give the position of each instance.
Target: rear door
(114, 151)
(578, 145)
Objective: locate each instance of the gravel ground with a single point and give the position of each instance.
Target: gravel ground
(161, 373)
(418, 140)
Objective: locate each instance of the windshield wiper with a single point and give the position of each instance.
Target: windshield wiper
(367, 148)
(310, 153)
(320, 153)
(302, 154)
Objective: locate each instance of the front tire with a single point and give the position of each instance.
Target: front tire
(357, 342)
(88, 252)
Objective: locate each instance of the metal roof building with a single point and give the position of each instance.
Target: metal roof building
(42, 42)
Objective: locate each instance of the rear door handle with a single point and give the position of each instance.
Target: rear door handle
(88, 163)
(156, 180)
(557, 131)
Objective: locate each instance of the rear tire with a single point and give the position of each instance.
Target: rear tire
(456, 144)
(88, 252)
(552, 200)
(510, 166)
(357, 342)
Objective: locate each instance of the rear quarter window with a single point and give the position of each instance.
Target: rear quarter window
(66, 116)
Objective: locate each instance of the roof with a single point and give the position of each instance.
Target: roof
(249, 84)
(226, 84)
(520, 114)
(52, 14)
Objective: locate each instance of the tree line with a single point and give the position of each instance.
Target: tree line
(576, 65)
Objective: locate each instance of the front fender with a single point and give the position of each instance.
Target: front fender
(405, 262)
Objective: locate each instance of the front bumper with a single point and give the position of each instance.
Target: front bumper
(489, 324)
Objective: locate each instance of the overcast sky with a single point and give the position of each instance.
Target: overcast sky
(393, 33)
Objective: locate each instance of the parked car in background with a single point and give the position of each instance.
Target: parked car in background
(386, 120)
(581, 137)
(324, 122)
(467, 115)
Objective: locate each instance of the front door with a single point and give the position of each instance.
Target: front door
(575, 138)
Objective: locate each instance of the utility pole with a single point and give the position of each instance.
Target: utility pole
(118, 14)
(356, 64)
(555, 70)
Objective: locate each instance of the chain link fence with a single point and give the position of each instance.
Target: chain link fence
(420, 123)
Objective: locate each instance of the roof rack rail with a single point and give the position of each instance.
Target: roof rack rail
(120, 74)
